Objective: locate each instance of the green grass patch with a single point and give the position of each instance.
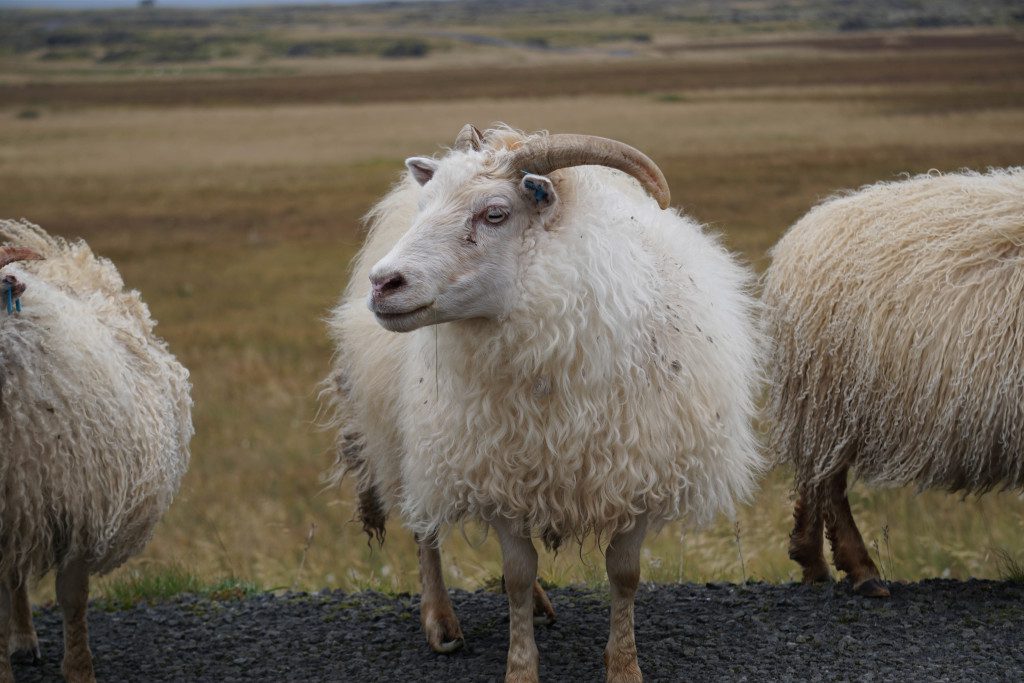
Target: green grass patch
(378, 46)
(155, 584)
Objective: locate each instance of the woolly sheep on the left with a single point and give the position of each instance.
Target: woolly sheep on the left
(95, 422)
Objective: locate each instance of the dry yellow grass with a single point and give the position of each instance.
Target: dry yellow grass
(237, 223)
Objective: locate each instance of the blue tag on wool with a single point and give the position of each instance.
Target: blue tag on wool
(13, 304)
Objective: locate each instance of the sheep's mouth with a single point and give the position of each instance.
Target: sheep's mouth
(403, 321)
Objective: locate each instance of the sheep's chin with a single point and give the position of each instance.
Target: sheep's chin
(407, 321)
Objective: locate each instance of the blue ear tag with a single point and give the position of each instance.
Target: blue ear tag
(12, 303)
(539, 193)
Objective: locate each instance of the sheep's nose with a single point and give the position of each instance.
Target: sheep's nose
(387, 283)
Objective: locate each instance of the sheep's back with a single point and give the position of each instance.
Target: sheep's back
(94, 430)
(899, 331)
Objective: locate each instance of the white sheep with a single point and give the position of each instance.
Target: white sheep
(95, 421)
(899, 350)
(595, 372)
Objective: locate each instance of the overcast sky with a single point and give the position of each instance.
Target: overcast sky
(95, 4)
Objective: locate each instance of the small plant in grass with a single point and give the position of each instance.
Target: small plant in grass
(382, 582)
(155, 584)
(739, 549)
(888, 552)
(546, 584)
(231, 588)
(493, 584)
(1010, 568)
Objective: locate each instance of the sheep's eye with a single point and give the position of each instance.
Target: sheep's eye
(496, 215)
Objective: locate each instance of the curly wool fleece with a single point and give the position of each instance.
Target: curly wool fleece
(622, 382)
(95, 414)
(899, 335)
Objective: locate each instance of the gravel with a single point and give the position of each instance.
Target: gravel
(933, 630)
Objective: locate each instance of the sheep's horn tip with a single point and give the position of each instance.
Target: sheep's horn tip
(12, 254)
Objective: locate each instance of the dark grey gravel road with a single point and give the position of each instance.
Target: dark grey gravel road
(929, 631)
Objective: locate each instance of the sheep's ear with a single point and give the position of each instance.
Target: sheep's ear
(421, 168)
(539, 190)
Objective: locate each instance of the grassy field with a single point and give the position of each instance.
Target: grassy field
(230, 193)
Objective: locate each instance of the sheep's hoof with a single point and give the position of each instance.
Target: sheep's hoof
(623, 668)
(24, 647)
(449, 646)
(443, 632)
(627, 676)
(871, 588)
(79, 675)
(521, 677)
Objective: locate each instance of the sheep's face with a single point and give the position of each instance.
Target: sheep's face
(460, 257)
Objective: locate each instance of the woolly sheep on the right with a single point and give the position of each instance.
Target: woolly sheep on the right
(897, 317)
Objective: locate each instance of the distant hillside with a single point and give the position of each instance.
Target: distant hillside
(256, 36)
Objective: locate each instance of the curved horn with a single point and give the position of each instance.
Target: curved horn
(469, 139)
(553, 152)
(11, 254)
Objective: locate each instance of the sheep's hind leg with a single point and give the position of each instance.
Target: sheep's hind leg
(848, 549)
(543, 611)
(437, 616)
(73, 596)
(622, 561)
(806, 541)
(519, 564)
(6, 611)
(23, 634)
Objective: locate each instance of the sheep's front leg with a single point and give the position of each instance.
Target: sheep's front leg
(73, 596)
(519, 564)
(23, 635)
(437, 616)
(6, 674)
(622, 560)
